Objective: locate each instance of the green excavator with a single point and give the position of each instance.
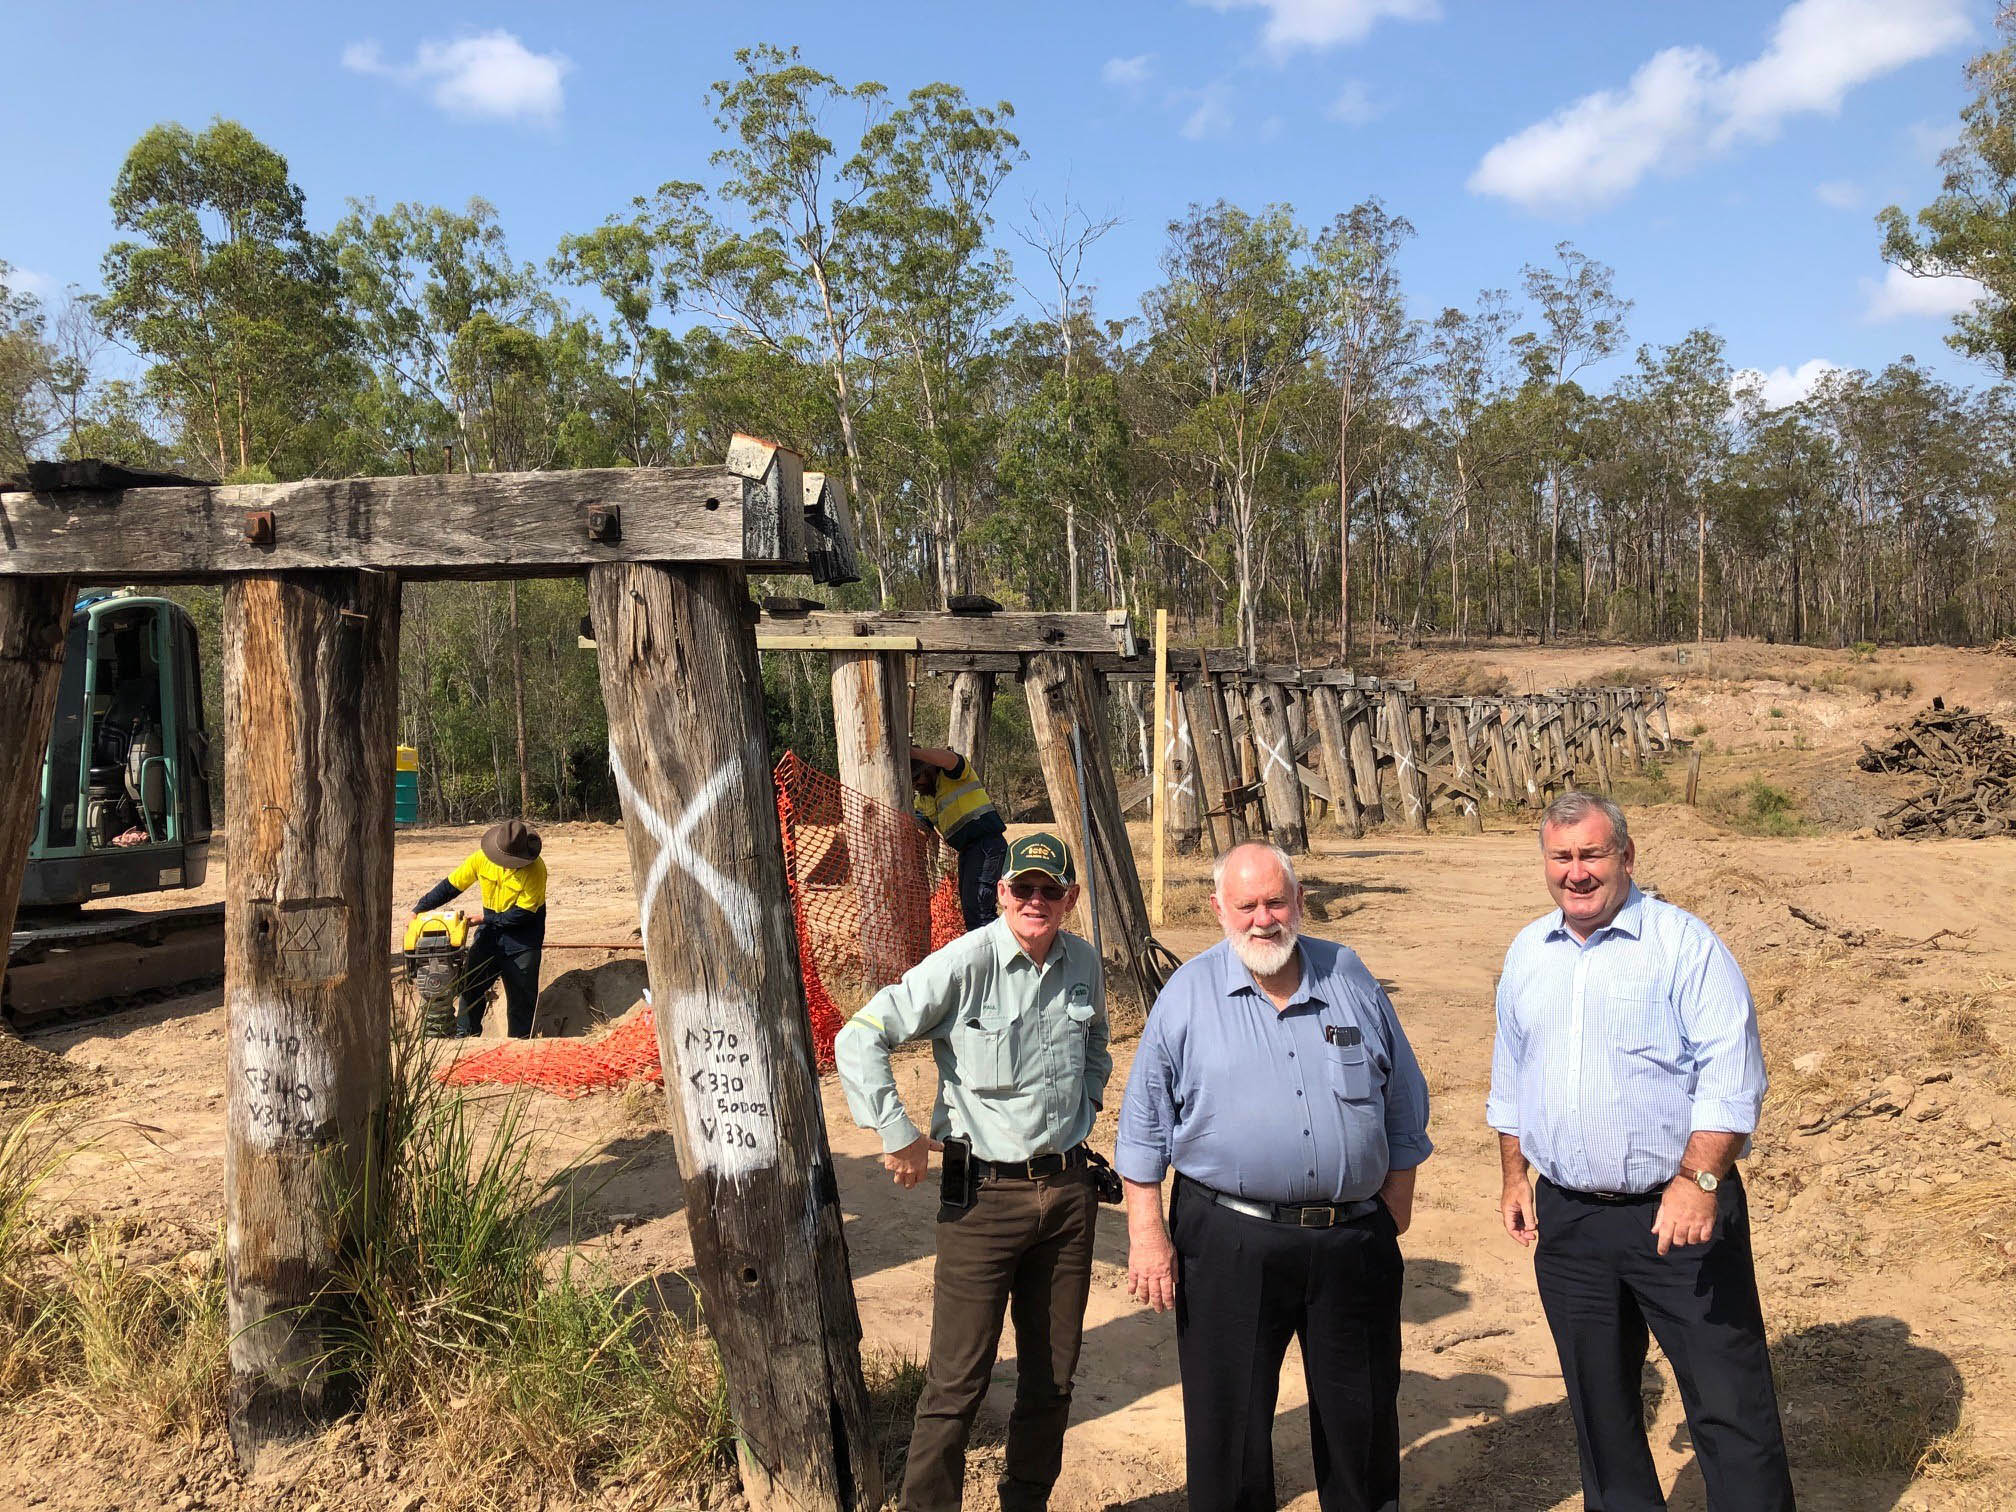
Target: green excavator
(126, 811)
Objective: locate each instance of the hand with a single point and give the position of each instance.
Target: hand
(912, 1163)
(1151, 1269)
(1518, 1212)
(1686, 1215)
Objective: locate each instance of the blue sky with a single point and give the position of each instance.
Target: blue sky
(1725, 158)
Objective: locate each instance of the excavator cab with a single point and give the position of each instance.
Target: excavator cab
(126, 800)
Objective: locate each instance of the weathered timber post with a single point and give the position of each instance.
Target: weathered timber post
(1185, 814)
(871, 732)
(1504, 777)
(1358, 722)
(1287, 818)
(1062, 699)
(1455, 721)
(1659, 708)
(1526, 758)
(1693, 773)
(690, 754)
(311, 680)
(1598, 736)
(1640, 732)
(1202, 714)
(1407, 773)
(1622, 706)
(1336, 762)
(1557, 742)
(34, 621)
(971, 719)
(1230, 710)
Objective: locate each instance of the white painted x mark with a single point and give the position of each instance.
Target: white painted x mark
(1277, 755)
(736, 902)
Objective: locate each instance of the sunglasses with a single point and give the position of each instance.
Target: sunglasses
(1050, 892)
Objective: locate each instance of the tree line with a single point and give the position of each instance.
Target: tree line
(1273, 445)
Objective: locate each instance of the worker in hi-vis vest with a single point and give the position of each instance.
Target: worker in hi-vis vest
(510, 939)
(950, 798)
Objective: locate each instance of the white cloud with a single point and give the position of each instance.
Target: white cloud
(1782, 385)
(1821, 49)
(485, 76)
(28, 281)
(1596, 149)
(1840, 194)
(1901, 297)
(1354, 105)
(1683, 104)
(1293, 24)
(1212, 114)
(1929, 140)
(1128, 73)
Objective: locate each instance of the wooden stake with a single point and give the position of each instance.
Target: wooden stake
(1407, 773)
(1224, 699)
(1336, 760)
(1466, 769)
(1693, 773)
(311, 681)
(1162, 737)
(1286, 816)
(690, 753)
(1504, 781)
(872, 737)
(34, 622)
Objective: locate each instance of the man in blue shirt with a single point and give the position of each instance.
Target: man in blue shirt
(1275, 1078)
(1628, 1074)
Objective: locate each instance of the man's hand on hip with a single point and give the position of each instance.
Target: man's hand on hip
(1686, 1215)
(912, 1163)
(1517, 1210)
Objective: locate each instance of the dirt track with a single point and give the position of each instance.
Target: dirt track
(1891, 1316)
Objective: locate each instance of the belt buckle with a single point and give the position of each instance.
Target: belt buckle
(1328, 1212)
(1040, 1165)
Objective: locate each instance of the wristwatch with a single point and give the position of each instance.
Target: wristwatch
(1708, 1181)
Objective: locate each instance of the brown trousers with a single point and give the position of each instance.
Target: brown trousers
(1026, 1247)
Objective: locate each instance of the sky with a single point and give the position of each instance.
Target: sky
(1725, 157)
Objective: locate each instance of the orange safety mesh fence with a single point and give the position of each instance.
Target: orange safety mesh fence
(872, 892)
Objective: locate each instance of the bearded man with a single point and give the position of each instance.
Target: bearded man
(1274, 1077)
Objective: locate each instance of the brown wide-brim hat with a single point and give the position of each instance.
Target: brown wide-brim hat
(512, 843)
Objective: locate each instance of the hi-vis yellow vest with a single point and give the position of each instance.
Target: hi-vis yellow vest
(956, 799)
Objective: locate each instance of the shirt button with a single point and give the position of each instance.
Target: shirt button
(1306, 1134)
(1298, 1092)
(1312, 1173)
(1291, 1055)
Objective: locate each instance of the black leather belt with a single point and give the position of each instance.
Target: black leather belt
(1606, 1196)
(1313, 1215)
(1034, 1166)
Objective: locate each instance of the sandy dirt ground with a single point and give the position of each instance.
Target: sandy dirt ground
(1887, 1279)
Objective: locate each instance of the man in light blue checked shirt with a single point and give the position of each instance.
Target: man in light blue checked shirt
(1628, 1075)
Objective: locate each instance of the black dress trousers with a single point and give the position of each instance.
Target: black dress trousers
(1244, 1287)
(1604, 1284)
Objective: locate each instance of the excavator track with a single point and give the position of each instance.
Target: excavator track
(78, 966)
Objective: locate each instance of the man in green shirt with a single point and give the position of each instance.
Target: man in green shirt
(1016, 1015)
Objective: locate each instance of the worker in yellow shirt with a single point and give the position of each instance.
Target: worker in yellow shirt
(508, 942)
(951, 799)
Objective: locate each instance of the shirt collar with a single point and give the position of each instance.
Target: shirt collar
(1630, 920)
(1007, 950)
(1239, 980)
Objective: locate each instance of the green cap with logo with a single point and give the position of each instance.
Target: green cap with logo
(1040, 852)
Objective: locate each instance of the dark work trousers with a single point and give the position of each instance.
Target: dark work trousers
(979, 870)
(1244, 1287)
(1026, 1247)
(512, 957)
(1603, 1284)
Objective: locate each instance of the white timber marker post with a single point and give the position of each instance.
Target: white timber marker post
(690, 751)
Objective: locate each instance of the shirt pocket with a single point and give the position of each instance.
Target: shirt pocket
(984, 1048)
(1638, 1021)
(1077, 1035)
(1350, 1072)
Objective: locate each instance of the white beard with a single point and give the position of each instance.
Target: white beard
(1264, 957)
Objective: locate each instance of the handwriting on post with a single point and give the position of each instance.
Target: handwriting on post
(281, 1083)
(731, 1115)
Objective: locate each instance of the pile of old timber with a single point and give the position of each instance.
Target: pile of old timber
(1972, 763)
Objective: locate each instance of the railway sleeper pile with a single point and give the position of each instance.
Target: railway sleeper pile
(1971, 762)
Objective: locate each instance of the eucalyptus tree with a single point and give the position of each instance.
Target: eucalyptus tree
(1683, 390)
(1467, 367)
(1231, 330)
(27, 367)
(1584, 320)
(229, 293)
(1371, 347)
